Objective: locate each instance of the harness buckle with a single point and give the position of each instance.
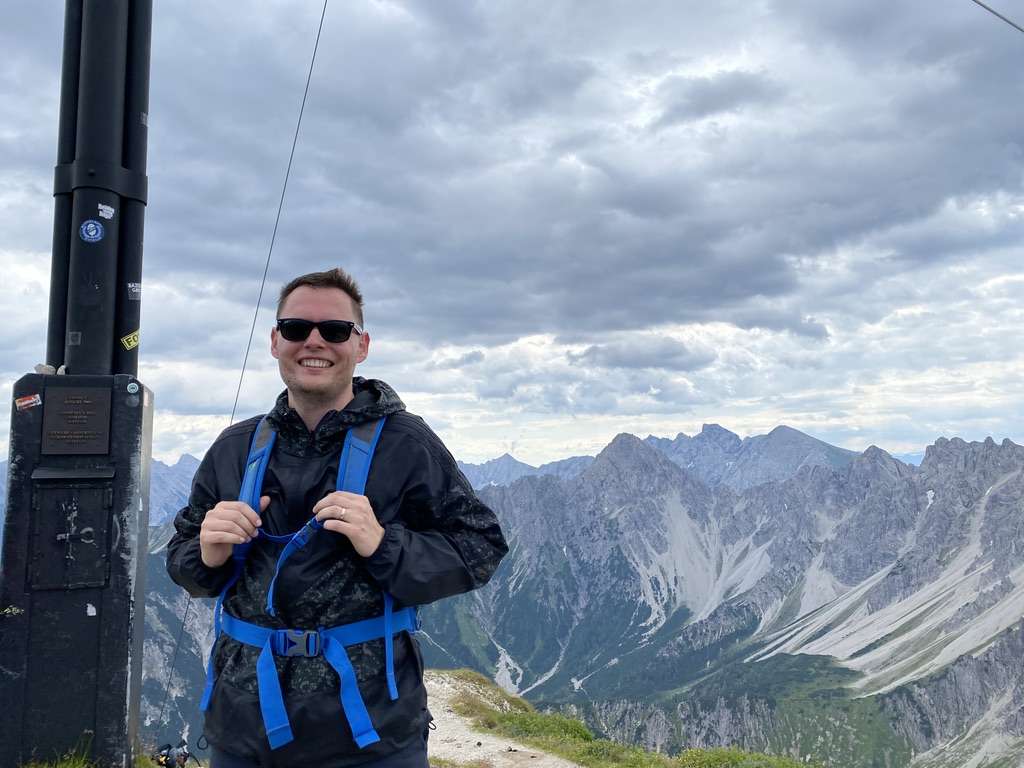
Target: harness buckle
(297, 642)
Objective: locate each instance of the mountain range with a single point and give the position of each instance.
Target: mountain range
(776, 593)
(859, 611)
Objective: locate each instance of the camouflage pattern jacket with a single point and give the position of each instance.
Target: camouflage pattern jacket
(439, 540)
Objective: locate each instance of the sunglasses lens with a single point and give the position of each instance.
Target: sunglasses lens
(295, 330)
(334, 331)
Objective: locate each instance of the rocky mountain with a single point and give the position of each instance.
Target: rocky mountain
(718, 456)
(862, 612)
(715, 455)
(169, 487)
(505, 469)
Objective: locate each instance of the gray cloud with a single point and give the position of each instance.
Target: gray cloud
(648, 352)
(693, 98)
(490, 173)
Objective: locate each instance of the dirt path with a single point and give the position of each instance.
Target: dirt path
(455, 739)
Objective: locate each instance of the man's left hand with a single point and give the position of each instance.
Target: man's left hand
(351, 515)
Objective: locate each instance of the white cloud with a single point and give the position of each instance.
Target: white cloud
(572, 219)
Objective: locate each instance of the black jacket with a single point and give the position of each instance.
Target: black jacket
(439, 540)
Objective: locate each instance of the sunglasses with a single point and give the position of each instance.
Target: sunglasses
(331, 331)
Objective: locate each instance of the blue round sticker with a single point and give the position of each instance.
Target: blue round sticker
(91, 231)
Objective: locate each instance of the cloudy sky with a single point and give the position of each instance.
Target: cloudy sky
(571, 219)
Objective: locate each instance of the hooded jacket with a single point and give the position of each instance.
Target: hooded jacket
(439, 540)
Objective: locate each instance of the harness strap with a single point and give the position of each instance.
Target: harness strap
(353, 469)
(331, 644)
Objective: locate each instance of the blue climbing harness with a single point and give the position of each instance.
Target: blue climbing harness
(353, 469)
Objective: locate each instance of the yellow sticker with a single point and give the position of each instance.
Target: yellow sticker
(131, 341)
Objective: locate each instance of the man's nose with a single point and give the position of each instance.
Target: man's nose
(315, 339)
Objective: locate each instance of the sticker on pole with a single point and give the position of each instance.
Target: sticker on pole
(134, 291)
(106, 211)
(28, 401)
(131, 341)
(91, 231)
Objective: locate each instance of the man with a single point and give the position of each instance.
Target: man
(417, 534)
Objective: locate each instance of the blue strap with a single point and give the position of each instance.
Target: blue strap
(356, 455)
(331, 643)
(252, 482)
(389, 646)
(351, 700)
(353, 471)
(295, 543)
(275, 717)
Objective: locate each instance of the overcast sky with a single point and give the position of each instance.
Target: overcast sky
(571, 219)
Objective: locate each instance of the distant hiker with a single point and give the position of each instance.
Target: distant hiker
(321, 526)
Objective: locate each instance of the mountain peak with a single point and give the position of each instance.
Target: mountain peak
(629, 450)
(720, 436)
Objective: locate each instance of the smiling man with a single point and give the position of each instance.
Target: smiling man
(320, 527)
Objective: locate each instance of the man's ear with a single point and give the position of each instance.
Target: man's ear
(273, 343)
(364, 347)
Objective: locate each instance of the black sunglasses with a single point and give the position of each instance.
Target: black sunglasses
(332, 331)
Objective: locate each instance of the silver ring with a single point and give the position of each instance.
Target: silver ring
(342, 515)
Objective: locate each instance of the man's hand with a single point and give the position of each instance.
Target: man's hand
(227, 524)
(351, 515)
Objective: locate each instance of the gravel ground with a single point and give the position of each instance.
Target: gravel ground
(455, 739)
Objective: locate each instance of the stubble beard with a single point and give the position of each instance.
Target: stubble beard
(326, 395)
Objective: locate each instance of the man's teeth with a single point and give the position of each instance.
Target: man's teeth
(313, 363)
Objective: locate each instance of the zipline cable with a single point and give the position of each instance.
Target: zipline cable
(997, 14)
(255, 316)
(280, 206)
(174, 658)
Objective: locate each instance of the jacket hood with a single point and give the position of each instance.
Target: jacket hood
(373, 399)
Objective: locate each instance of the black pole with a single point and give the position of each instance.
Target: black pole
(56, 333)
(95, 215)
(129, 280)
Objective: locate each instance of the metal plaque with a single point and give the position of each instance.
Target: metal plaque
(76, 420)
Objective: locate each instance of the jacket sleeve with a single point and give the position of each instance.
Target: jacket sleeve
(184, 563)
(444, 541)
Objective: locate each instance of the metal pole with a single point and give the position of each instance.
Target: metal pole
(66, 135)
(129, 280)
(92, 271)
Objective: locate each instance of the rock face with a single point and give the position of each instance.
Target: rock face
(718, 456)
(857, 610)
(505, 469)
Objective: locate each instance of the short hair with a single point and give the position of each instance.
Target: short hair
(332, 278)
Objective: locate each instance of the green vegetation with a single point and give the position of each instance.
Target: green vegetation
(81, 762)
(490, 708)
(813, 709)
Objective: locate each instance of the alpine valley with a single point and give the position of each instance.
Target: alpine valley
(776, 593)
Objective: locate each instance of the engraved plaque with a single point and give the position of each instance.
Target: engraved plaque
(76, 420)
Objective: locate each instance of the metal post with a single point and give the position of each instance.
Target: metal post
(56, 335)
(136, 114)
(92, 270)
(72, 594)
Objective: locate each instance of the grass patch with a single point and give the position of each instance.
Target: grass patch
(73, 761)
(492, 709)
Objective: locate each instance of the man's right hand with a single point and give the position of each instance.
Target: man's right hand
(227, 524)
